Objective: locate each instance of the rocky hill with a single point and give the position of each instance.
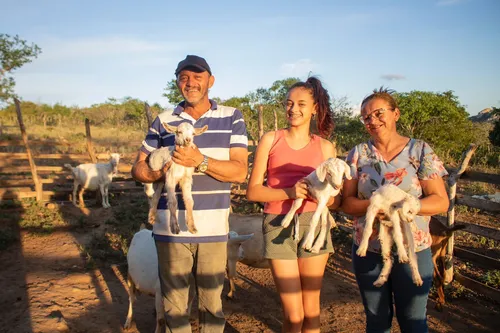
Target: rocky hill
(486, 115)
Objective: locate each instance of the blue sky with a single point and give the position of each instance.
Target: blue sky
(92, 50)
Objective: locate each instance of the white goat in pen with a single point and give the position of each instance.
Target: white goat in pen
(401, 208)
(142, 276)
(324, 182)
(176, 174)
(94, 176)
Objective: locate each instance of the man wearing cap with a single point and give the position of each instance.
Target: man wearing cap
(220, 158)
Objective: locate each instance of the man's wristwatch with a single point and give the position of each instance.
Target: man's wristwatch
(203, 165)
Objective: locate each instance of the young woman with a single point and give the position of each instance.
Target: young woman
(390, 158)
(286, 157)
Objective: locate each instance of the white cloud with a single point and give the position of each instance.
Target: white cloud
(299, 68)
(392, 77)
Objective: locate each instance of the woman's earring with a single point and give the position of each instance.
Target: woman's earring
(314, 116)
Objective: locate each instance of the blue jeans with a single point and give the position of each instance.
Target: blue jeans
(410, 301)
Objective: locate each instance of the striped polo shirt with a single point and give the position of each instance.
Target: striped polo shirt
(226, 129)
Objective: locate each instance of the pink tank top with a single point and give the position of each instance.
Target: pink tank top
(286, 166)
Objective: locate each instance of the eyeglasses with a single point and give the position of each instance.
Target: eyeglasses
(377, 114)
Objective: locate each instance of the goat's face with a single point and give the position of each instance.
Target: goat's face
(333, 171)
(114, 160)
(408, 208)
(184, 133)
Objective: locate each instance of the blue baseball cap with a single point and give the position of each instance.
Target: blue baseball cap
(193, 61)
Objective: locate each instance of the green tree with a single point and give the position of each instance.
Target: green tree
(494, 135)
(172, 93)
(14, 53)
(349, 131)
(437, 118)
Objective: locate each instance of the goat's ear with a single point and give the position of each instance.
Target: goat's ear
(198, 131)
(347, 171)
(321, 171)
(170, 128)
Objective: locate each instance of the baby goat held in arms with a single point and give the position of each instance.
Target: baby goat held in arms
(400, 208)
(92, 177)
(323, 183)
(176, 174)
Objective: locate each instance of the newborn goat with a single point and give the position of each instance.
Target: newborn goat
(176, 174)
(94, 176)
(324, 182)
(401, 208)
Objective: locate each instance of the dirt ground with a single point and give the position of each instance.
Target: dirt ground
(46, 286)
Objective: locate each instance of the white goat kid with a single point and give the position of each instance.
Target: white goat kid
(176, 174)
(401, 208)
(92, 177)
(324, 182)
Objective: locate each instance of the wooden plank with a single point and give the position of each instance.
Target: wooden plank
(476, 229)
(19, 143)
(478, 287)
(477, 258)
(483, 204)
(47, 195)
(479, 177)
(47, 169)
(84, 158)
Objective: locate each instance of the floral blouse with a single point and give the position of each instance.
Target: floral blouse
(417, 161)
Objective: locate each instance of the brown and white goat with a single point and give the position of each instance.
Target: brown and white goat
(440, 237)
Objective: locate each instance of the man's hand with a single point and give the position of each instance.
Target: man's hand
(187, 156)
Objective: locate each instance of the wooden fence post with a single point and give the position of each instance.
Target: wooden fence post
(452, 192)
(90, 149)
(149, 117)
(90, 146)
(34, 174)
(275, 120)
(261, 121)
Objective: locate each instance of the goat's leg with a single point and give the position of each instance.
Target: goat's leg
(172, 207)
(186, 186)
(231, 276)
(103, 195)
(385, 246)
(325, 228)
(153, 206)
(309, 239)
(398, 236)
(80, 196)
(291, 213)
(106, 192)
(131, 298)
(160, 311)
(367, 231)
(415, 274)
(75, 189)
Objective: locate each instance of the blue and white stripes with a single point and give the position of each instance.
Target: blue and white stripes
(226, 130)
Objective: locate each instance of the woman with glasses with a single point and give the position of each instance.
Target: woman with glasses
(410, 164)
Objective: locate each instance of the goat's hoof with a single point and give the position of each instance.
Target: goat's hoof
(174, 229)
(361, 252)
(128, 324)
(439, 307)
(418, 281)
(286, 222)
(193, 230)
(403, 259)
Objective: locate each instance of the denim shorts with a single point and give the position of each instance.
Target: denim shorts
(279, 242)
